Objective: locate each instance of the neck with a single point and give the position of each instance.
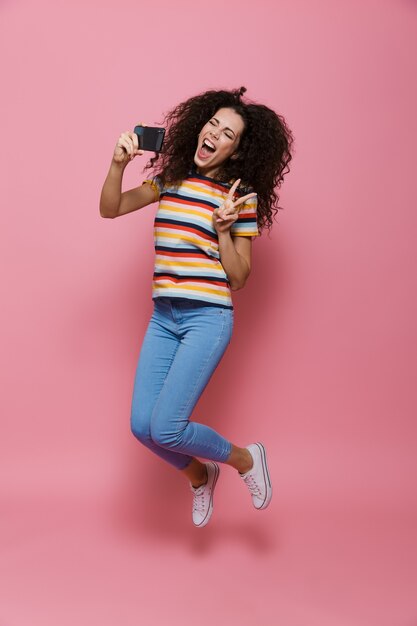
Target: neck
(209, 173)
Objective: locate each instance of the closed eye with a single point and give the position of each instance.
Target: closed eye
(229, 134)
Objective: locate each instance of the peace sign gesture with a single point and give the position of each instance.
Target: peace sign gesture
(227, 214)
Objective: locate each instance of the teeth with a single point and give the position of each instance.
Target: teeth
(209, 144)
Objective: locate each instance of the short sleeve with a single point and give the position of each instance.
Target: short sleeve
(156, 184)
(246, 224)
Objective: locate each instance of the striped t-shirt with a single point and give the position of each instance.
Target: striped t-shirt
(187, 259)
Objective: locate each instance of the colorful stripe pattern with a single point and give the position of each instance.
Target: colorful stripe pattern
(187, 259)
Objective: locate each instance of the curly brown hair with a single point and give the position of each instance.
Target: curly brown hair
(264, 148)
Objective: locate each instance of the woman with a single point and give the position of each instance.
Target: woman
(216, 181)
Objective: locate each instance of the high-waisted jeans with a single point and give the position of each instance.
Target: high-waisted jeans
(182, 347)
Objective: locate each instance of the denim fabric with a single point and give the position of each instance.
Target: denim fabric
(183, 344)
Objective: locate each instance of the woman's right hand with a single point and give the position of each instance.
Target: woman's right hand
(127, 147)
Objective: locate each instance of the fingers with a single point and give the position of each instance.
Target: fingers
(227, 218)
(223, 225)
(232, 191)
(126, 141)
(129, 142)
(244, 198)
(135, 141)
(225, 210)
(233, 188)
(229, 207)
(223, 214)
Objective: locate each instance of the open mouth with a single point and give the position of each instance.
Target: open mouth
(207, 149)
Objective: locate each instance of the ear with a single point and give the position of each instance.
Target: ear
(235, 156)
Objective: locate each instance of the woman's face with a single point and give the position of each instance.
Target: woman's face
(218, 140)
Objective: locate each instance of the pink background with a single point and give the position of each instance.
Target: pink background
(322, 366)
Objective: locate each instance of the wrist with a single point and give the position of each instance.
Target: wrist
(224, 235)
(118, 166)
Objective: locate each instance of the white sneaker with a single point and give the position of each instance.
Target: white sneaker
(257, 479)
(203, 496)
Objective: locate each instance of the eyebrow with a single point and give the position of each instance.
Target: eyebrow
(227, 128)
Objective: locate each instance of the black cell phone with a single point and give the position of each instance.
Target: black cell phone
(150, 137)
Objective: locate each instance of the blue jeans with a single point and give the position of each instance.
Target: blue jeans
(182, 347)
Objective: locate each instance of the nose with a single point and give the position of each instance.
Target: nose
(214, 132)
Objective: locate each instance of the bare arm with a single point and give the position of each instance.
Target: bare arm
(235, 251)
(235, 256)
(113, 202)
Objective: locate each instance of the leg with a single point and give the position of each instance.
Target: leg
(205, 334)
(196, 472)
(240, 459)
(157, 354)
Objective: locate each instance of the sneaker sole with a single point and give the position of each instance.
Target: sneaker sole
(210, 509)
(267, 479)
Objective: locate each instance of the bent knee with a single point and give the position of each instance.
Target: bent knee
(140, 427)
(165, 438)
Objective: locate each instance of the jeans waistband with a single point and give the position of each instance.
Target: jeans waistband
(187, 303)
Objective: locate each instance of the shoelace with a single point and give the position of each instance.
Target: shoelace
(252, 485)
(198, 502)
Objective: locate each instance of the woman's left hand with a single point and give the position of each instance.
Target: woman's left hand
(227, 214)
